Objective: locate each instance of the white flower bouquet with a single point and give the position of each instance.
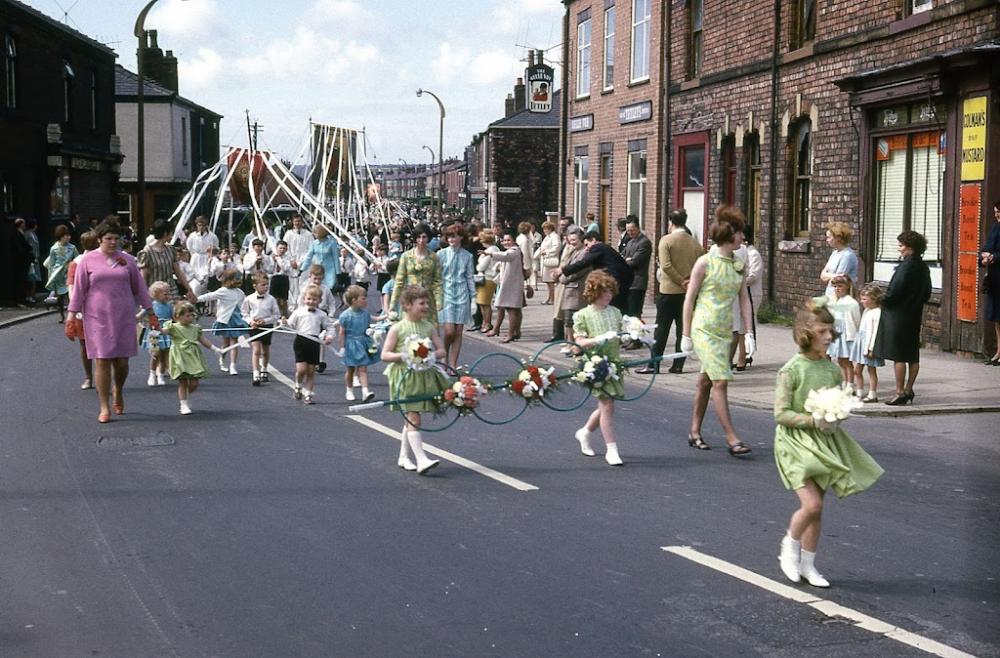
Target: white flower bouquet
(829, 406)
(634, 329)
(377, 333)
(418, 353)
(596, 370)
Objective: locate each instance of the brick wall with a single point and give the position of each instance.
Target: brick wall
(527, 158)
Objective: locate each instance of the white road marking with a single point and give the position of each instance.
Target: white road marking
(444, 454)
(828, 608)
(452, 457)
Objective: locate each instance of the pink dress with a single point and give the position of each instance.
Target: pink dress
(108, 295)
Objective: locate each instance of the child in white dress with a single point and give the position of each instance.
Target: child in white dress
(846, 317)
(862, 352)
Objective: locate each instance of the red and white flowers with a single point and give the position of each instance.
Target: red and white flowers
(418, 353)
(532, 382)
(464, 394)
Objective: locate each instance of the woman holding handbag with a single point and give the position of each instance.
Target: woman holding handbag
(550, 250)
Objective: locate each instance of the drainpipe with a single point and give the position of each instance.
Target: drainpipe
(564, 120)
(773, 188)
(666, 28)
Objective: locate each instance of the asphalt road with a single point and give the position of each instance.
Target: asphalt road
(260, 527)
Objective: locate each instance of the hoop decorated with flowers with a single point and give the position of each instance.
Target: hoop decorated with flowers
(533, 382)
(599, 373)
(418, 353)
(464, 395)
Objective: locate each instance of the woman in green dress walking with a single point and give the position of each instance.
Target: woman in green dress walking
(717, 279)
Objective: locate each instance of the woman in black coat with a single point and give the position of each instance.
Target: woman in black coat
(990, 258)
(898, 335)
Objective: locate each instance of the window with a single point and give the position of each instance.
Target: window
(59, 200)
(581, 174)
(728, 161)
(606, 172)
(691, 160)
(68, 75)
(919, 6)
(804, 28)
(640, 39)
(184, 140)
(909, 184)
(752, 176)
(10, 72)
(801, 179)
(696, 19)
(637, 185)
(93, 100)
(609, 47)
(583, 58)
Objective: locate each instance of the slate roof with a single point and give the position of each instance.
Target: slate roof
(127, 88)
(528, 119)
(45, 18)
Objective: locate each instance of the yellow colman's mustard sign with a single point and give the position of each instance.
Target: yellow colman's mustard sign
(974, 139)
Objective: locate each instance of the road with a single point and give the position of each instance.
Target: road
(258, 526)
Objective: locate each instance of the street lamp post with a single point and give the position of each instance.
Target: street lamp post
(432, 166)
(421, 92)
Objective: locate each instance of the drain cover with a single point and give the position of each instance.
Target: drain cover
(158, 439)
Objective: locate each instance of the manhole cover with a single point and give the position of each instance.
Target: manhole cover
(158, 439)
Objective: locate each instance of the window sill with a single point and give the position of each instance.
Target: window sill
(693, 83)
(585, 97)
(803, 52)
(638, 83)
(909, 23)
(608, 90)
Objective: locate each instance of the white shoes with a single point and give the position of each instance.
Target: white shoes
(366, 395)
(232, 369)
(583, 436)
(222, 365)
(185, 409)
(807, 567)
(297, 392)
(349, 395)
(86, 385)
(611, 456)
(151, 380)
(425, 464)
(789, 558)
(160, 379)
(356, 382)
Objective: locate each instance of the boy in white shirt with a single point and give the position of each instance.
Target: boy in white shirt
(262, 312)
(327, 303)
(308, 320)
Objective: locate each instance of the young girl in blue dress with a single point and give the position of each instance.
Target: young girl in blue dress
(229, 322)
(159, 347)
(354, 342)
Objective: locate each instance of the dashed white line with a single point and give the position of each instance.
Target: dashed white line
(438, 452)
(828, 608)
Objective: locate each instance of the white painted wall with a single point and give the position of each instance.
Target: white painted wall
(165, 162)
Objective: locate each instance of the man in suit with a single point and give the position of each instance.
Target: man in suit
(602, 256)
(637, 252)
(677, 253)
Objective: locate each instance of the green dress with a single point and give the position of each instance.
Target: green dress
(591, 322)
(187, 360)
(424, 272)
(803, 452)
(406, 383)
(712, 325)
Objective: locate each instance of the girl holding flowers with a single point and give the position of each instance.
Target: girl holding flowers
(812, 453)
(411, 348)
(596, 330)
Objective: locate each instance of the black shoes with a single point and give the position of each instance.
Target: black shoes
(321, 366)
(676, 369)
(900, 400)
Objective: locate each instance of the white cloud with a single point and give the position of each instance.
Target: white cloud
(449, 62)
(343, 10)
(306, 54)
(185, 20)
(200, 71)
(493, 66)
(509, 16)
(485, 67)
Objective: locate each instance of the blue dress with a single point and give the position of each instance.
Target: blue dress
(326, 253)
(458, 285)
(164, 312)
(356, 341)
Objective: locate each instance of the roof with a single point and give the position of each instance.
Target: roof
(127, 88)
(62, 27)
(528, 119)
(984, 49)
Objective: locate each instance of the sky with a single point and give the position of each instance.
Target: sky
(352, 63)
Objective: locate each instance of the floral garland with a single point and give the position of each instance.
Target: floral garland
(464, 395)
(418, 353)
(532, 382)
(596, 371)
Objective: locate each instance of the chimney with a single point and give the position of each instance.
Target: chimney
(541, 57)
(152, 59)
(170, 71)
(531, 58)
(508, 109)
(519, 95)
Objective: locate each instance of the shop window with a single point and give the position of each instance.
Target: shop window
(609, 47)
(583, 58)
(581, 174)
(804, 25)
(801, 165)
(68, 76)
(637, 186)
(696, 19)
(909, 196)
(728, 173)
(918, 6)
(641, 13)
(752, 175)
(10, 73)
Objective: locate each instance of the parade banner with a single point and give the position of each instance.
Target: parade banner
(239, 183)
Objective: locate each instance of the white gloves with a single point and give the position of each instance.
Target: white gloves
(687, 345)
(750, 343)
(605, 337)
(826, 426)
(340, 352)
(216, 349)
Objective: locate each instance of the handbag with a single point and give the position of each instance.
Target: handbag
(550, 261)
(529, 292)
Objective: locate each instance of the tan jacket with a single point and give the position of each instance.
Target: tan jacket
(677, 252)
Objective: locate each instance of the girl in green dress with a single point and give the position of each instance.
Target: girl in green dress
(813, 455)
(717, 279)
(187, 363)
(596, 329)
(405, 381)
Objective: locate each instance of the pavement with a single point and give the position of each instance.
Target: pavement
(946, 384)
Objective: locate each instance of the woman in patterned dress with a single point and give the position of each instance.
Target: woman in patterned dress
(420, 267)
(716, 281)
(458, 292)
(159, 262)
(61, 254)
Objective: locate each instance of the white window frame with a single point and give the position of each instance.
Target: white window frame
(583, 45)
(640, 38)
(637, 186)
(609, 48)
(581, 182)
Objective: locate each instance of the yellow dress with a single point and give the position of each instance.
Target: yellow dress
(712, 325)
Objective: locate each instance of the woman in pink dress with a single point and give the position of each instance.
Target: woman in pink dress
(107, 288)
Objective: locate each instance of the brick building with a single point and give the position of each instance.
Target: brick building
(59, 153)
(800, 113)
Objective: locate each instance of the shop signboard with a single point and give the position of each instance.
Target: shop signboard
(969, 214)
(974, 139)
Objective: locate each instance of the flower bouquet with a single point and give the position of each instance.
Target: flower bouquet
(464, 395)
(377, 333)
(532, 383)
(829, 406)
(596, 370)
(418, 353)
(634, 329)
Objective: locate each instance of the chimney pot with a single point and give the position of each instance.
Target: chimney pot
(152, 39)
(531, 58)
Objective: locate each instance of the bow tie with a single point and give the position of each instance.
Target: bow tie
(312, 310)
